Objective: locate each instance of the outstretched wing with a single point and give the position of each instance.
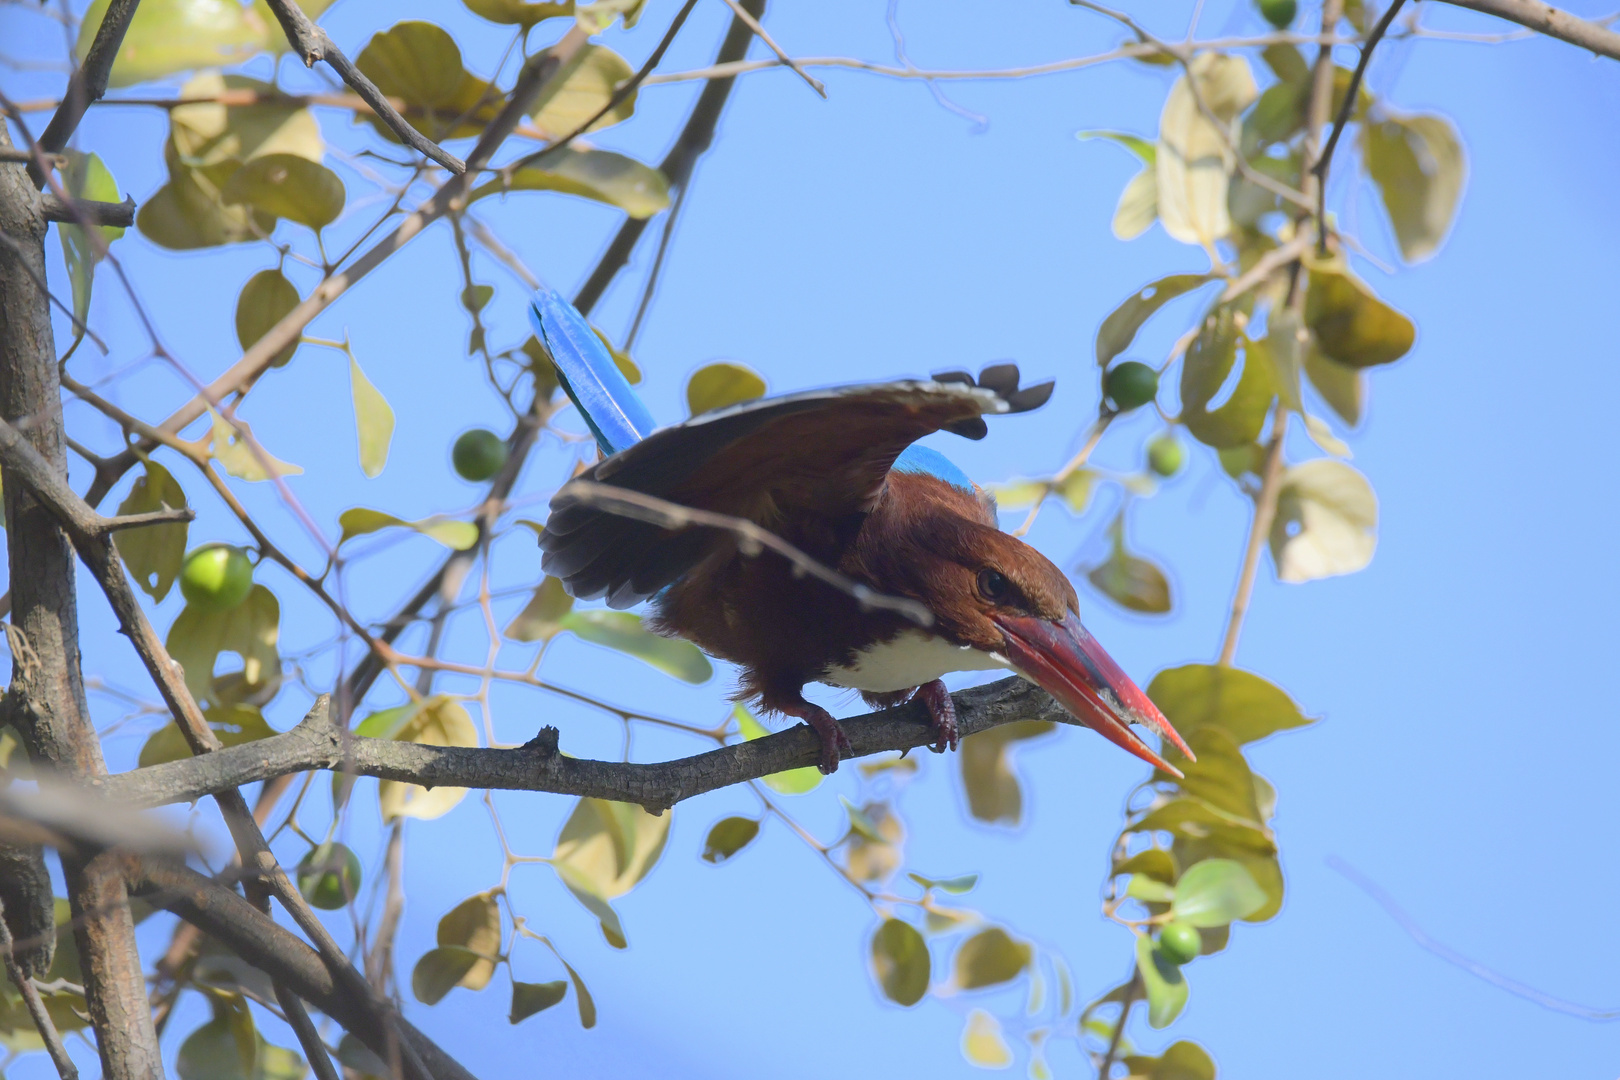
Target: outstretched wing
(820, 454)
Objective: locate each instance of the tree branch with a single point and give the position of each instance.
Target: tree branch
(88, 83)
(82, 211)
(36, 1007)
(318, 742)
(311, 44)
(770, 43)
(1550, 21)
(1265, 510)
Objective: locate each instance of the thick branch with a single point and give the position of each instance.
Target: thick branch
(319, 743)
(311, 44)
(83, 211)
(88, 83)
(1550, 21)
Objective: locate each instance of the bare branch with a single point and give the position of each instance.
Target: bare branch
(311, 44)
(88, 83)
(751, 539)
(36, 1008)
(1550, 21)
(88, 211)
(760, 32)
(1265, 509)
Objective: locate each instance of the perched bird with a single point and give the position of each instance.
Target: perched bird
(834, 473)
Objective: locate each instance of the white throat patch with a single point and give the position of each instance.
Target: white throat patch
(909, 660)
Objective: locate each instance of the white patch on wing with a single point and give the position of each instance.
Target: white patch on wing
(909, 660)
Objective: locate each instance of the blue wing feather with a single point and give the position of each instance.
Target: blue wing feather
(588, 375)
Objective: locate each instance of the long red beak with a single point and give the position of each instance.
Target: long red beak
(1066, 661)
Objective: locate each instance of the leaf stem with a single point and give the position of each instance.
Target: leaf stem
(1265, 511)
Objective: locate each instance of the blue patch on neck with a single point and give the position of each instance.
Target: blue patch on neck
(920, 459)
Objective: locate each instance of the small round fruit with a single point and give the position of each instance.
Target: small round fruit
(1180, 942)
(329, 876)
(216, 577)
(478, 454)
(1131, 384)
(1166, 455)
(1279, 13)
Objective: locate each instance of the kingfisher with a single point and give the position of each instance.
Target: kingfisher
(836, 473)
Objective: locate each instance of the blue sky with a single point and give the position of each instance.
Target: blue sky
(1463, 756)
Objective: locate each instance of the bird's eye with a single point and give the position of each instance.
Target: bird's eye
(993, 585)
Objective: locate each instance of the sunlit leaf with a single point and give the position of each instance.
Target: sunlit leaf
(234, 724)
(266, 299)
(1162, 981)
(860, 824)
(989, 958)
(1326, 523)
(790, 781)
(374, 425)
(1151, 890)
(360, 521)
(1322, 435)
(580, 89)
(288, 186)
(1352, 325)
(153, 554)
(518, 13)
(718, 385)
(1155, 863)
(420, 63)
(1194, 819)
(436, 721)
(1215, 892)
(216, 138)
(1219, 347)
(166, 36)
(982, 1041)
(624, 632)
(727, 837)
(231, 450)
(541, 617)
(1120, 328)
(1144, 149)
(1195, 156)
(604, 850)
(639, 190)
(1418, 164)
(530, 998)
(250, 630)
(901, 962)
(1181, 1061)
(1240, 703)
(1220, 778)
(474, 924)
(1138, 205)
(992, 787)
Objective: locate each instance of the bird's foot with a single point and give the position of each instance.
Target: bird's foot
(942, 711)
(834, 743)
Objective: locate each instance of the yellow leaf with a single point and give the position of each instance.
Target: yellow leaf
(438, 721)
(373, 420)
(982, 1043)
(231, 450)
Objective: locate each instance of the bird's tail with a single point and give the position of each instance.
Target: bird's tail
(588, 374)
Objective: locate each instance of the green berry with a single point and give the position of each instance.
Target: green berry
(1131, 384)
(1279, 13)
(1180, 942)
(478, 454)
(1166, 455)
(216, 577)
(329, 876)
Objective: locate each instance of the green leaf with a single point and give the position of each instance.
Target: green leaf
(604, 850)
(1352, 325)
(1120, 328)
(456, 535)
(474, 924)
(1219, 347)
(153, 554)
(1155, 863)
(1150, 890)
(266, 299)
(992, 787)
(990, 958)
(329, 876)
(250, 630)
(1240, 703)
(230, 449)
(1220, 778)
(1287, 63)
(718, 385)
(530, 998)
(1144, 149)
(85, 177)
(956, 886)
(1194, 158)
(518, 13)
(541, 617)
(1129, 580)
(1138, 205)
(435, 721)
(580, 90)
(417, 61)
(727, 837)
(214, 139)
(1215, 892)
(624, 632)
(860, 823)
(374, 427)
(587, 1004)
(1182, 1061)
(1278, 114)
(234, 724)
(441, 970)
(186, 214)
(288, 186)
(225, 1048)
(597, 17)
(639, 190)
(1162, 981)
(900, 961)
(788, 782)
(1326, 523)
(1418, 164)
(1194, 819)
(167, 36)
(612, 928)
(1343, 387)
(982, 1041)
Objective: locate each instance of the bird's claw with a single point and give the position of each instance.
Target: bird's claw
(835, 743)
(942, 711)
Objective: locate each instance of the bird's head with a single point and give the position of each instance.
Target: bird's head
(995, 593)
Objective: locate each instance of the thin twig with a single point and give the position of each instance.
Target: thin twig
(1265, 511)
(751, 539)
(87, 84)
(1074, 465)
(759, 31)
(1552, 22)
(651, 285)
(36, 1007)
(1116, 1038)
